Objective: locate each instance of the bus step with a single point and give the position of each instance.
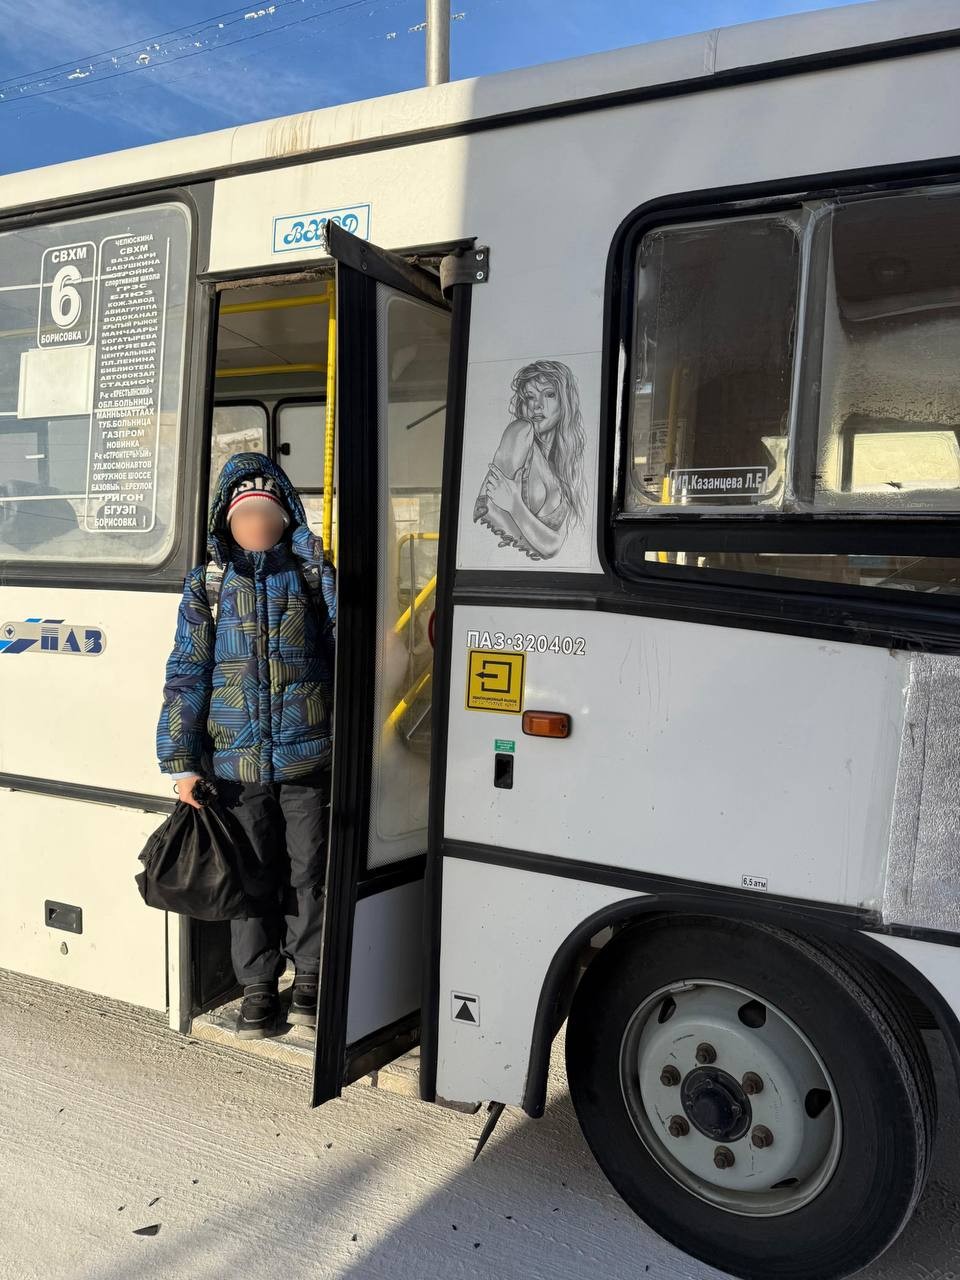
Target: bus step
(294, 1048)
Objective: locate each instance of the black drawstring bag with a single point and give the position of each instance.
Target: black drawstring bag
(191, 866)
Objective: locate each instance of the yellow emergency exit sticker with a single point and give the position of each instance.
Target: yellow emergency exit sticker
(495, 680)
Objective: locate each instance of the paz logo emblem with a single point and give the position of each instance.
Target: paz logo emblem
(51, 635)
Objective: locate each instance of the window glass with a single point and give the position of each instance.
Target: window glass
(237, 428)
(92, 347)
(414, 344)
(313, 510)
(300, 437)
(890, 398)
(716, 307)
(723, 421)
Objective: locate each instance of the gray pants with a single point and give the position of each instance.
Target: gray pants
(286, 826)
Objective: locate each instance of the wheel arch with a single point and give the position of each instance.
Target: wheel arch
(562, 975)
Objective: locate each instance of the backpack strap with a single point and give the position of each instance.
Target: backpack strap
(212, 582)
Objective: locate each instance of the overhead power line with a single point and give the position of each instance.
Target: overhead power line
(217, 32)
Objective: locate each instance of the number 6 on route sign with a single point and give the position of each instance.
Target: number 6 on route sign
(67, 275)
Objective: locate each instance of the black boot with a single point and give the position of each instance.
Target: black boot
(303, 1000)
(260, 1012)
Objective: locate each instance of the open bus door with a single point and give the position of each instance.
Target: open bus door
(393, 338)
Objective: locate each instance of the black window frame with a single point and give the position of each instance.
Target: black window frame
(196, 407)
(624, 538)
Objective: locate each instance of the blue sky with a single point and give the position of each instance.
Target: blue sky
(80, 77)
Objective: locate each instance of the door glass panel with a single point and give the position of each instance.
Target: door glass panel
(412, 364)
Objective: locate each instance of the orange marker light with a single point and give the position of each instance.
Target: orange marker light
(546, 724)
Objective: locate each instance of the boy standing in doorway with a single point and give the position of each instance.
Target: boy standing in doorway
(249, 685)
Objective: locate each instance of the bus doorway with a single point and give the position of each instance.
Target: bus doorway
(342, 381)
(274, 375)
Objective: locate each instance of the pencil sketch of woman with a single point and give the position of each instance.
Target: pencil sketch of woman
(533, 491)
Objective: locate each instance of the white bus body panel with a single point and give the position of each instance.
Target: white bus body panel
(385, 973)
(88, 720)
(83, 854)
(81, 718)
(705, 752)
(501, 928)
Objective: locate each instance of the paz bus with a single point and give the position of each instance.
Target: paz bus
(626, 393)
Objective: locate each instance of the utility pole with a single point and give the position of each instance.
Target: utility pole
(438, 41)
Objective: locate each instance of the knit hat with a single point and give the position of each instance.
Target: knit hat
(257, 490)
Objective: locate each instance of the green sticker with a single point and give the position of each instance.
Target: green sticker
(504, 744)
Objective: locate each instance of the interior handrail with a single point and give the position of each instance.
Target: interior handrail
(408, 699)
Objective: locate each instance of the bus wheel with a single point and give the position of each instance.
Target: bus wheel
(760, 1101)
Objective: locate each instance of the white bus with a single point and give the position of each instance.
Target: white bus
(647, 499)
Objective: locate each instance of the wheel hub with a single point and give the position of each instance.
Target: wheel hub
(728, 1095)
(715, 1104)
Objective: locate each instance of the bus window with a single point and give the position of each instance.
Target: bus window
(92, 335)
(715, 312)
(300, 436)
(301, 429)
(890, 397)
(873, 425)
(237, 428)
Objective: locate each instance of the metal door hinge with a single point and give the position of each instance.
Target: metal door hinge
(466, 266)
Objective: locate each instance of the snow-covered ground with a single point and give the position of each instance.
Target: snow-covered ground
(110, 1123)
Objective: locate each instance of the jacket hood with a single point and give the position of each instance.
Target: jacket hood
(237, 468)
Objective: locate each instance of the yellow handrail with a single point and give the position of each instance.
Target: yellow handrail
(276, 304)
(251, 370)
(403, 621)
(408, 699)
(417, 536)
(409, 612)
(428, 590)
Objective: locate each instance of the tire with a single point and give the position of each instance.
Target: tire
(846, 1097)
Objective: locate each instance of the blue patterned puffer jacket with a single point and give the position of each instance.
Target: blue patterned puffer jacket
(256, 690)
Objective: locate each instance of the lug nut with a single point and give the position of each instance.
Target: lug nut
(724, 1158)
(761, 1137)
(752, 1083)
(678, 1127)
(706, 1054)
(670, 1076)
